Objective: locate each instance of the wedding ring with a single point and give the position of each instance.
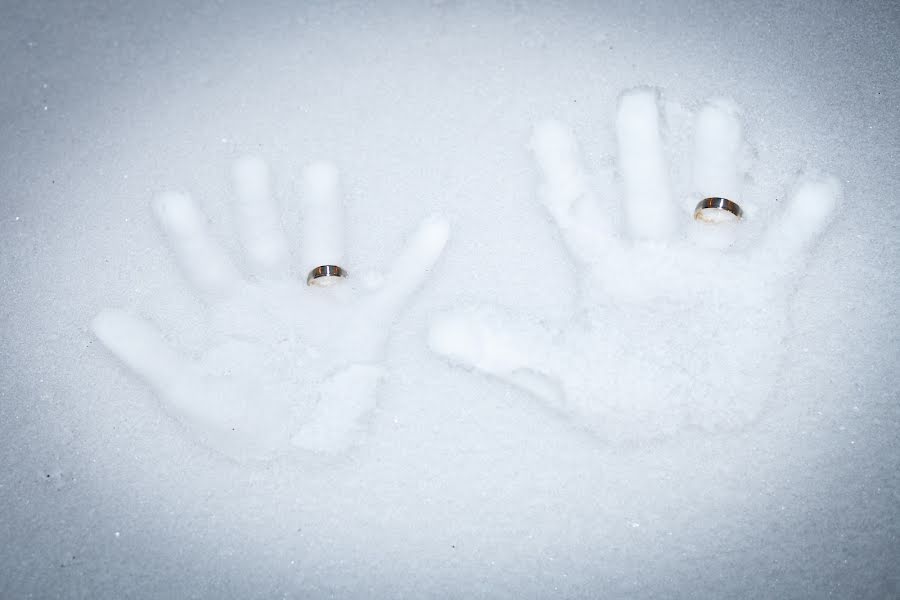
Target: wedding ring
(325, 275)
(708, 209)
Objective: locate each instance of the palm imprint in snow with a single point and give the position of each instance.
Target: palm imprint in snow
(680, 322)
(292, 365)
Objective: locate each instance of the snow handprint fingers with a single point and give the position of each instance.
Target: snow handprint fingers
(565, 189)
(142, 349)
(218, 409)
(719, 170)
(409, 270)
(176, 379)
(563, 177)
(520, 355)
(649, 210)
(807, 214)
(472, 338)
(200, 257)
(719, 165)
(323, 217)
(257, 218)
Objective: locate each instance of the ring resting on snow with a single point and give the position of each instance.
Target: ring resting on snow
(716, 210)
(325, 275)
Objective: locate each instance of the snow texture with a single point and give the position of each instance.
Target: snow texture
(564, 386)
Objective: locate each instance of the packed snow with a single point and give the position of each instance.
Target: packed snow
(543, 375)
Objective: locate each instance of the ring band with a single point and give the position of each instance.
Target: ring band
(325, 275)
(719, 204)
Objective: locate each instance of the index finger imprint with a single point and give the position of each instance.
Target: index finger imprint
(257, 219)
(807, 214)
(649, 208)
(203, 261)
(411, 268)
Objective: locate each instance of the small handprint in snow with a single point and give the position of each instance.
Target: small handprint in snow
(680, 321)
(292, 365)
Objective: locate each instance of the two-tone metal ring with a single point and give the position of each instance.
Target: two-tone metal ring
(712, 209)
(325, 275)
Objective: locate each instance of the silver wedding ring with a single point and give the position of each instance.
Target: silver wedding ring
(325, 275)
(708, 209)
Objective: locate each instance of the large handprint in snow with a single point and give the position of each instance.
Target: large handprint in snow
(680, 321)
(291, 366)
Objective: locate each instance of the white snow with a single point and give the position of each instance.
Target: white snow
(291, 365)
(258, 219)
(542, 378)
(323, 227)
(646, 194)
(667, 334)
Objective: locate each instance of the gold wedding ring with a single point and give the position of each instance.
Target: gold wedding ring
(325, 275)
(710, 209)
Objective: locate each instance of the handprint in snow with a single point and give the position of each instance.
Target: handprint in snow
(677, 326)
(293, 365)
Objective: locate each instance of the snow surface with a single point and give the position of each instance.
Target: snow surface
(542, 378)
